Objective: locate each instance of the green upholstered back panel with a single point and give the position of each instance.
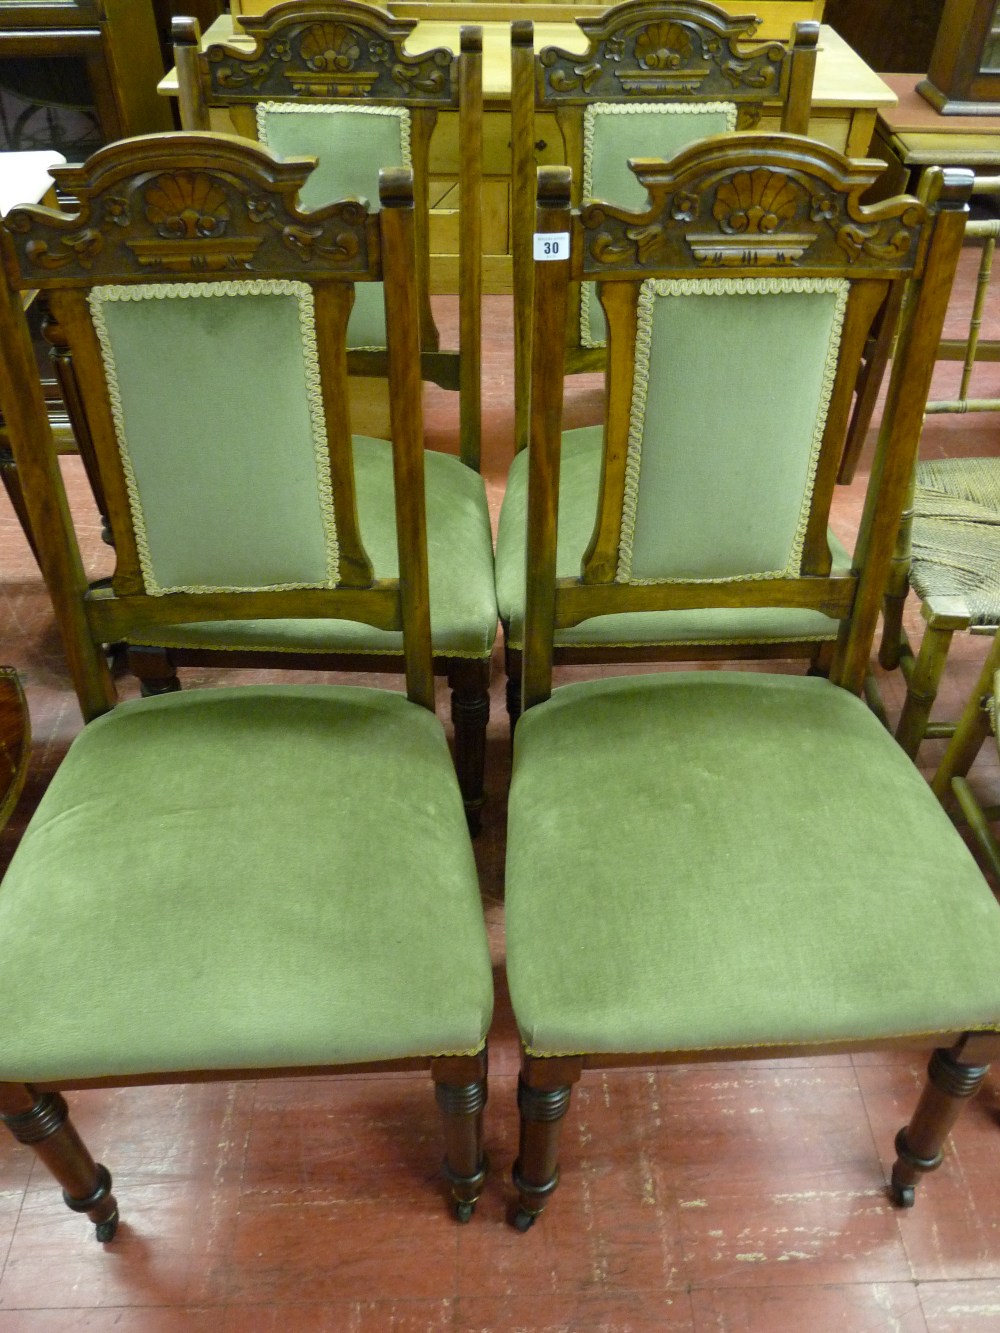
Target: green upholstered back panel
(615, 131)
(352, 144)
(731, 389)
(216, 397)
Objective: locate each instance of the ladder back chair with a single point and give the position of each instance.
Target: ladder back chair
(948, 551)
(712, 865)
(263, 878)
(333, 80)
(653, 79)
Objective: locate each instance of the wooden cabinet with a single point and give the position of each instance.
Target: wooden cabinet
(776, 16)
(78, 73)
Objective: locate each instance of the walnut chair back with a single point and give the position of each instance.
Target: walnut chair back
(215, 859)
(678, 881)
(332, 79)
(653, 79)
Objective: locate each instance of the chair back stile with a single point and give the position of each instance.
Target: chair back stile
(704, 238)
(312, 61)
(208, 235)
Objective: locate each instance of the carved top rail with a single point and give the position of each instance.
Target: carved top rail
(751, 202)
(187, 214)
(643, 50)
(346, 50)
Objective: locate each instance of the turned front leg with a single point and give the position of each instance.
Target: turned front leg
(919, 1147)
(543, 1094)
(460, 1090)
(41, 1120)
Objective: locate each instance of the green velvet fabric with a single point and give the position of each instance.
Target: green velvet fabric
(460, 556)
(216, 415)
(709, 859)
(233, 878)
(725, 373)
(579, 479)
(641, 132)
(351, 145)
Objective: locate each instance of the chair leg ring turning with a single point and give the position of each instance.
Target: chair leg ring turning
(46, 1128)
(464, 1104)
(544, 1108)
(919, 1146)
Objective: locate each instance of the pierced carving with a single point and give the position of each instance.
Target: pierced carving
(350, 51)
(189, 208)
(641, 49)
(768, 205)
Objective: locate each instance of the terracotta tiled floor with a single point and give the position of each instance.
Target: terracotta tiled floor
(722, 1197)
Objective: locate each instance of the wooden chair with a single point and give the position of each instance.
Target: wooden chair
(315, 72)
(948, 550)
(712, 865)
(977, 722)
(15, 741)
(654, 78)
(264, 879)
(333, 80)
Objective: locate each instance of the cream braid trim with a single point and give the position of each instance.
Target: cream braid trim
(587, 290)
(401, 113)
(653, 288)
(97, 299)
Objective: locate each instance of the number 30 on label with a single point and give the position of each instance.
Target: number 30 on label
(552, 245)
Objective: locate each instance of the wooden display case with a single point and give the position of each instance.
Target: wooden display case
(963, 77)
(78, 73)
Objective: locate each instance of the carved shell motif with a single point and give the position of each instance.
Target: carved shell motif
(330, 48)
(755, 202)
(187, 205)
(663, 46)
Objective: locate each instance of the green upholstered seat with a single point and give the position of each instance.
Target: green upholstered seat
(676, 881)
(460, 555)
(578, 497)
(237, 878)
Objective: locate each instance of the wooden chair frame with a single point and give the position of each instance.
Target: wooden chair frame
(968, 735)
(118, 237)
(278, 68)
(372, 67)
(684, 51)
(943, 616)
(685, 230)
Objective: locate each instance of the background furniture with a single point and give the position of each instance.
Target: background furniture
(963, 77)
(15, 741)
(224, 851)
(710, 865)
(846, 97)
(78, 73)
(325, 80)
(652, 79)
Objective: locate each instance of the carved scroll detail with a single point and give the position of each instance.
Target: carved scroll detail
(777, 207)
(348, 52)
(187, 212)
(663, 50)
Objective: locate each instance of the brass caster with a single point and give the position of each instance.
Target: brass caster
(106, 1230)
(464, 1211)
(523, 1220)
